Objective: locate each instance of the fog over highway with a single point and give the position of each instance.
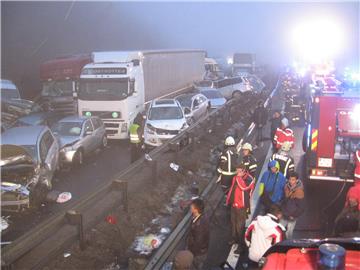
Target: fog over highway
(33, 32)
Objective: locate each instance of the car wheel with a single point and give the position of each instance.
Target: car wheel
(78, 158)
(38, 195)
(104, 142)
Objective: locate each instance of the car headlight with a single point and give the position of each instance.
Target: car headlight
(150, 129)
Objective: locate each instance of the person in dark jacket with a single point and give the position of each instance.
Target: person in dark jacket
(347, 223)
(248, 159)
(286, 162)
(275, 124)
(272, 184)
(238, 199)
(227, 164)
(293, 204)
(199, 235)
(260, 117)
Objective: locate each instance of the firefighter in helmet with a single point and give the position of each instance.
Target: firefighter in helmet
(227, 164)
(284, 134)
(248, 160)
(286, 162)
(136, 138)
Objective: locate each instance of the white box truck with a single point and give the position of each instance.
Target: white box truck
(116, 85)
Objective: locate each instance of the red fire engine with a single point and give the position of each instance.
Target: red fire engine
(332, 136)
(59, 77)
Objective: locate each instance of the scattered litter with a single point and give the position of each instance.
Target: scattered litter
(4, 224)
(165, 230)
(64, 197)
(111, 219)
(155, 221)
(146, 244)
(67, 254)
(147, 157)
(174, 166)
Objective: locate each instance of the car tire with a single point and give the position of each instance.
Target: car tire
(38, 195)
(78, 158)
(104, 142)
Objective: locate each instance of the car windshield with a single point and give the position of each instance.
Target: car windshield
(210, 94)
(57, 88)
(104, 89)
(67, 128)
(165, 113)
(204, 84)
(31, 149)
(9, 93)
(185, 101)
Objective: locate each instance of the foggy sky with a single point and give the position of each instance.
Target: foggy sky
(33, 32)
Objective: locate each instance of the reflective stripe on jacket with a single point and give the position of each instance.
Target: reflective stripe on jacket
(227, 163)
(285, 161)
(134, 136)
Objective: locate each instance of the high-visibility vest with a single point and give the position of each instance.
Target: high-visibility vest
(357, 165)
(134, 136)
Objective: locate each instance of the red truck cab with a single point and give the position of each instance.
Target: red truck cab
(59, 78)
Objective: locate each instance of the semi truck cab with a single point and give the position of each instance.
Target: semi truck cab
(112, 88)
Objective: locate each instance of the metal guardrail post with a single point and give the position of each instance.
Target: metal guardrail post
(122, 185)
(175, 147)
(76, 219)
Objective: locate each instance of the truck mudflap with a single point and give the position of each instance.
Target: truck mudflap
(330, 178)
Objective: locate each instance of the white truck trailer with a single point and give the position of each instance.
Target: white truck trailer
(117, 85)
(243, 63)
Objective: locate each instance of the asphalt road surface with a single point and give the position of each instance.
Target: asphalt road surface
(99, 168)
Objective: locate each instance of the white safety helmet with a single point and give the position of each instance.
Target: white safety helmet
(285, 122)
(229, 141)
(286, 146)
(247, 146)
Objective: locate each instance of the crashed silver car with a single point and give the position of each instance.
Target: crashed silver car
(79, 136)
(20, 177)
(29, 156)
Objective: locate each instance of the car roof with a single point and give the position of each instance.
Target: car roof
(27, 135)
(189, 95)
(74, 118)
(165, 103)
(36, 116)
